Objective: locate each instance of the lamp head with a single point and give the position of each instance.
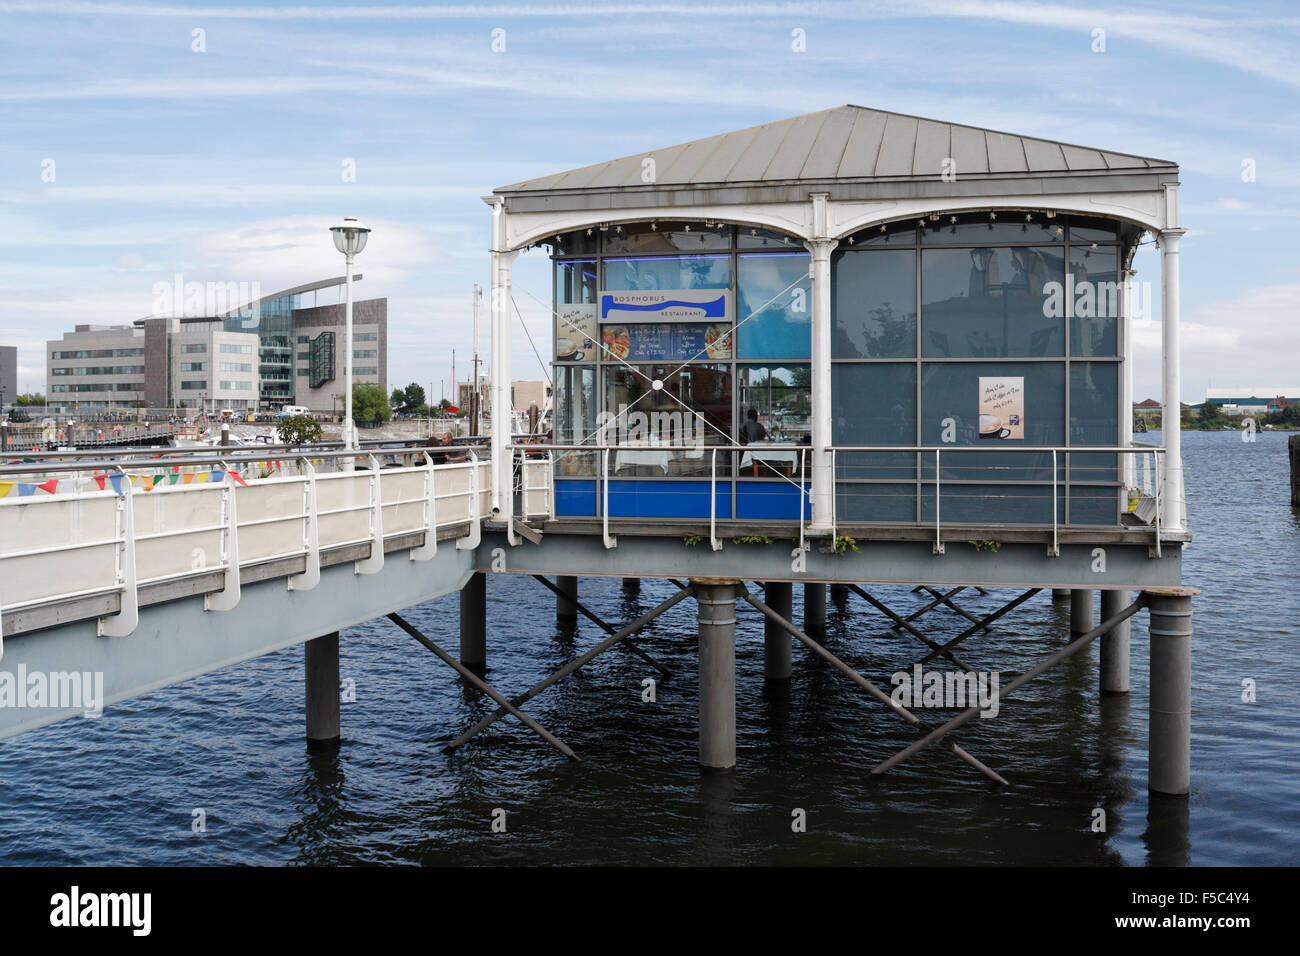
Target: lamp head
(350, 236)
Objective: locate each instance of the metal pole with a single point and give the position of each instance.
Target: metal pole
(1081, 610)
(814, 610)
(1060, 594)
(779, 596)
(321, 668)
(566, 600)
(473, 623)
(349, 433)
(1171, 421)
(1170, 719)
(717, 627)
(1114, 645)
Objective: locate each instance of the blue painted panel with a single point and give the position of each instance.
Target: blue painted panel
(666, 499)
(575, 499)
(770, 499)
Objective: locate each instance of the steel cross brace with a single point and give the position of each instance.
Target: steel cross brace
(482, 685)
(969, 713)
(911, 629)
(606, 628)
(861, 681)
(939, 599)
(511, 707)
(980, 625)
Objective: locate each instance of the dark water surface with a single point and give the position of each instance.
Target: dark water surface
(121, 790)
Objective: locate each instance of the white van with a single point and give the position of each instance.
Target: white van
(288, 411)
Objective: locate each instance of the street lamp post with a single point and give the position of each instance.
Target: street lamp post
(350, 239)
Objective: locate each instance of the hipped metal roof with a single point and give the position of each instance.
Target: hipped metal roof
(851, 144)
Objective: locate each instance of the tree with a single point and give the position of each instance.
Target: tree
(407, 401)
(369, 406)
(30, 398)
(298, 430)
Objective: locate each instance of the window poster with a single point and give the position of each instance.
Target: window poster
(651, 325)
(575, 332)
(1002, 408)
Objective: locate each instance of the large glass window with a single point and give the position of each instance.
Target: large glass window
(987, 302)
(575, 417)
(873, 304)
(666, 429)
(668, 272)
(1094, 286)
(575, 281)
(774, 306)
(780, 400)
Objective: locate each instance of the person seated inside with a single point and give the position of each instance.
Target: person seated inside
(443, 457)
(753, 429)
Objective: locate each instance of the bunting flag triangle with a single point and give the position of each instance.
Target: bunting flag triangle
(24, 490)
(5, 488)
(172, 478)
(50, 486)
(156, 480)
(187, 477)
(117, 482)
(99, 480)
(202, 477)
(238, 480)
(218, 477)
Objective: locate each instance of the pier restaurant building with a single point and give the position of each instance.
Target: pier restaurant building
(850, 318)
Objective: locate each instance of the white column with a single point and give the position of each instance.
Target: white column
(502, 492)
(1128, 472)
(1171, 492)
(823, 477)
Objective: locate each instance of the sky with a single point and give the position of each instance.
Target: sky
(128, 155)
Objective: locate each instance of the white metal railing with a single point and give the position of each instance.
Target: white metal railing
(826, 514)
(77, 531)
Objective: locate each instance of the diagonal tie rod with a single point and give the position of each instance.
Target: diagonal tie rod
(605, 627)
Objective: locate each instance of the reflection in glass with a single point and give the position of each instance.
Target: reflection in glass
(575, 281)
(1095, 300)
(777, 287)
(999, 228)
(1094, 420)
(873, 304)
(642, 237)
(575, 417)
(873, 405)
(990, 302)
(668, 272)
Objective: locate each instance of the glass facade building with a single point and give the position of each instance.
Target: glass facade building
(982, 331)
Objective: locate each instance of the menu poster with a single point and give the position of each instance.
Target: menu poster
(1002, 408)
(665, 342)
(575, 332)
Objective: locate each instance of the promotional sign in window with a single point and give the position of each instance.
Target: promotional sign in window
(1002, 408)
(666, 324)
(575, 332)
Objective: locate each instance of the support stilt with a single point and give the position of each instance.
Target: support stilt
(631, 587)
(1081, 611)
(321, 666)
(1170, 720)
(566, 599)
(1060, 594)
(779, 596)
(814, 610)
(473, 623)
(1114, 645)
(717, 627)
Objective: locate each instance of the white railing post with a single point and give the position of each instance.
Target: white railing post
(374, 563)
(938, 540)
(310, 576)
(1155, 464)
(803, 492)
(228, 597)
(471, 541)
(1055, 550)
(127, 618)
(610, 540)
(430, 519)
(714, 543)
